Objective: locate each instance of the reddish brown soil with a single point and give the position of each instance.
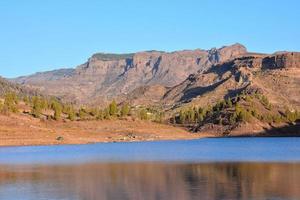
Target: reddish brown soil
(17, 130)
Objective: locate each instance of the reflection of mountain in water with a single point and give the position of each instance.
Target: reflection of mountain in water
(152, 181)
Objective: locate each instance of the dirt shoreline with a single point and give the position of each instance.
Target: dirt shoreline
(21, 130)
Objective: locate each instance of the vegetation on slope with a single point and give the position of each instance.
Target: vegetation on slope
(229, 113)
(50, 108)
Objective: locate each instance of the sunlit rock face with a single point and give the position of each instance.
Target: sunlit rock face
(107, 76)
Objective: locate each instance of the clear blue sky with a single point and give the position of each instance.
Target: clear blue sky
(39, 35)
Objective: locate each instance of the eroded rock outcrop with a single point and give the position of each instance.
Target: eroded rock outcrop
(287, 60)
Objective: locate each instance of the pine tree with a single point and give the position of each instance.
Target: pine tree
(57, 107)
(71, 114)
(182, 117)
(82, 114)
(106, 114)
(113, 108)
(26, 100)
(11, 102)
(36, 107)
(125, 110)
(100, 115)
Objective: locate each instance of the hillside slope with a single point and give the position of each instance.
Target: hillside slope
(7, 86)
(276, 76)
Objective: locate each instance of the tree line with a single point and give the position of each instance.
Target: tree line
(52, 108)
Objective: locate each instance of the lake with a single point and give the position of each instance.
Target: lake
(216, 168)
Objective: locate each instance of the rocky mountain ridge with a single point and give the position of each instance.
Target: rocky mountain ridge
(108, 76)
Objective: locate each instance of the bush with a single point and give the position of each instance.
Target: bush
(158, 117)
(100, 115)
(143, 114)
(82, 114)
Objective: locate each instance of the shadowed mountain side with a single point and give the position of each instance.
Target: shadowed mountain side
(189, 94)
(287, 130)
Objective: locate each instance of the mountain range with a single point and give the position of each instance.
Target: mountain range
(230, 83)
(114, 76)
(155, 77)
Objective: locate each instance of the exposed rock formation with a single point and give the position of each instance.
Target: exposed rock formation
(107, 76)
(282, 60)
(277, 76)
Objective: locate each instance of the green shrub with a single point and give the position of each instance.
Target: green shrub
(100, 115)
(291, 116)
(143, 114)
(82, 114)
(158, 117)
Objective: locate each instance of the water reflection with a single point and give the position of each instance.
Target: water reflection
(152, 181)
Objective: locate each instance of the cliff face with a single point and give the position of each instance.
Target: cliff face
(107, 76)
(289, 60)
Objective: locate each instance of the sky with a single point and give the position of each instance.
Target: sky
(44, 35)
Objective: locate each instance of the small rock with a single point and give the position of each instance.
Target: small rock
(59, 138)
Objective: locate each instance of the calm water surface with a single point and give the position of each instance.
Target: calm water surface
(227, 168)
